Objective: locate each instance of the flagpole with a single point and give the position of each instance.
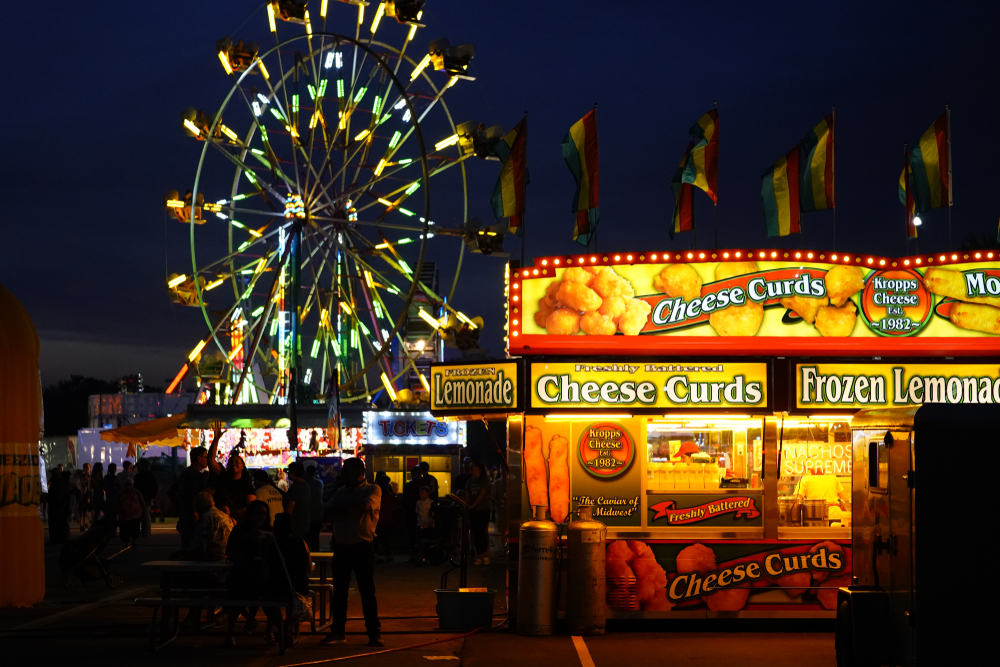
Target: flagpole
(523, 231)
(951, 244)
(833, 161)
(906, 206)
(715, 204)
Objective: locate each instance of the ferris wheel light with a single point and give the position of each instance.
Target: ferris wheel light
(451, 82)
(309, 28)
(176, 281)
(175, 203)
(406, 211)
(256, 109)
(380, 167)
(426, 317)
(192, 127)
(197, 349)
(413, 31)
(362, 135)
(322, 9)
(388, 203)
(257, 311)
(420, 67)
(406, 116)
(361, 14)
(462, 316)
(423, 381)
(229, 133)
(263, 70)
(444, 143)
(329, 60)
(399, 105)
(378, 17)
(214, 284)
(270, 17)
(224, 58)
(388, 385)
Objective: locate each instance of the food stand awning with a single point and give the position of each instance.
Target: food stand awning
(162, 431)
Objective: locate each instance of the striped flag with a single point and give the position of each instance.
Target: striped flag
(929, 166)
(779, 193)
(816, 182)
(698, 167)
(579, 149)
(508, 195)
(906, 196)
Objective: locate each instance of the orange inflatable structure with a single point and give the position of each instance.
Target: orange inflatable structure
(22, 558)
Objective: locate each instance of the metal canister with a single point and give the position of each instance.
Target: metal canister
(785, 505)
(587, 590)
(536, 575)
(815, 513)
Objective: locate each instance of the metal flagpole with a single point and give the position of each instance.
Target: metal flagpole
(715, 204)
(951, 243)
(906, 206)
(833, 162)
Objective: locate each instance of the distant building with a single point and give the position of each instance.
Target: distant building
(114, 410)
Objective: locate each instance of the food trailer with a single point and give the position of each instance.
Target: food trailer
(877, 613)
(702, 402)
(394, 442)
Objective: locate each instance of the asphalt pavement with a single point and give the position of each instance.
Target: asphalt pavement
(94, 625)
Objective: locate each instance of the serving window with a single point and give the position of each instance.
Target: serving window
(703, 453)
(815, 464)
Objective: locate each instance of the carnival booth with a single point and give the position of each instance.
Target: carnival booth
(702, 401)
(396, 441)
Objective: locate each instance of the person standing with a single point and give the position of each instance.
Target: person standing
(282, 482)
(297, 499)
(127, 472)
(130, 505)
(465, 475)
(190, 483)
(429, 480)
(268, 492)
(148, 487)
(477, 491)
(315, 507)
(111, 490)
(356, 506)
(84, 506)
(411, 494)
(97, 495)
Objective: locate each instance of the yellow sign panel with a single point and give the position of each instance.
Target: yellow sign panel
(489, 386)
(872, 385)
(648, 385)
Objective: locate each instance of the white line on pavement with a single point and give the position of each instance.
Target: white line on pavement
(582, 652)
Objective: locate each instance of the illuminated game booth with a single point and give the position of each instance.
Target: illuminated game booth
(702, 401)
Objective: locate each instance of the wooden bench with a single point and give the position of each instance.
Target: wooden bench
(162, 605)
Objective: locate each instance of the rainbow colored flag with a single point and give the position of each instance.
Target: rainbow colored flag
(579, 149)
(779, 193)
(508, 195)
(816, 180)
(929, 165)
(906, 197)
(698, 167)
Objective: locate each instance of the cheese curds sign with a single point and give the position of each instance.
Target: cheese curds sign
(778, 302)
(490, 386)
(649, 385)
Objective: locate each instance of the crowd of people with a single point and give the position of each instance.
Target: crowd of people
(268, 528)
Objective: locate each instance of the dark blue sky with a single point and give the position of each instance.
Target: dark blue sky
(92, 137)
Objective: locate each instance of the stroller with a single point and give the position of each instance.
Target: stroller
(80, 560)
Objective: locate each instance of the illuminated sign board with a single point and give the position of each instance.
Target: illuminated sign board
(893, 385)
(649, 385)
(411, 428)
(757, 302)
(491, 386)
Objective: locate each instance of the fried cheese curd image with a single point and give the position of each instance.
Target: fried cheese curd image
(635, 317)
(738, 320)
(834, 322)
(945, 282)
(726, 270)
(678, 280)
(976, 317)
(558, 478)
(563, 322)
(534, 468)
(831, 548)
(619, 550)
(805, 306)
(695, 558)
(603, 303)
(843, 282)
(728, 599)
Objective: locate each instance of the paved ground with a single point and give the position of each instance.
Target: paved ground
(95, 624)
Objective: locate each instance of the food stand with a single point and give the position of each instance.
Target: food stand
(702, 401)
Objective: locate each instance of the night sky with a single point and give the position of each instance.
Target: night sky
(92, 137)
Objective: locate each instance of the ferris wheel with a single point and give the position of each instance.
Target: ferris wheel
(312, 197)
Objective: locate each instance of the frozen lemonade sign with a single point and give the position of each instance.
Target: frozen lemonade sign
(894, 385)
(605, 450)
